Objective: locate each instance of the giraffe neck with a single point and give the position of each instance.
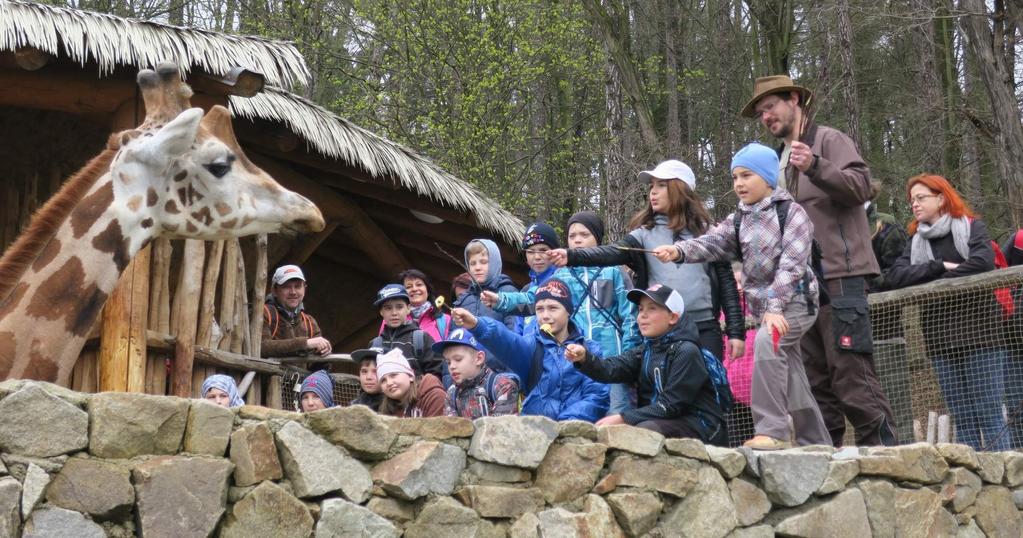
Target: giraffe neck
(45, 320)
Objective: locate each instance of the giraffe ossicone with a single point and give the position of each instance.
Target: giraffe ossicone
(181, 174)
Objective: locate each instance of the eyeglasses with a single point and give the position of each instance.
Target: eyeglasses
(767, 107)
(919, 199)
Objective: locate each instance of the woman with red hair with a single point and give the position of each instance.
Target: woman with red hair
(947, 242)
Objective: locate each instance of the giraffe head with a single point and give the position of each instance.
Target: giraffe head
(183, 174)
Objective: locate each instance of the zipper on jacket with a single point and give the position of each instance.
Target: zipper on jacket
(848, 258)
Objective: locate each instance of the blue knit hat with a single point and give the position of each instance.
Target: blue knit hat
(321, 384)
(761, 159)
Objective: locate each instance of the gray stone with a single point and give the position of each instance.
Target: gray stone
(18, 465)
(438, 428)
(636, 510)
(671, 475)
(597, 519)
(879, 497)
(426, 467)
(997, 515)
(10, 506)
(791, 477)
(752, 460)
(125, 425)
(728, 461)
(992, 467)
(34, 422)
(1013, 468)
(920, 514)
(50, 522)
(33, 488)
(959, 455)
(444, 517)
(759, 531)
(180, 496)
(690, 448)
(1017, 498)
(962, 487)
(342, 519)
(392, 509)
(95, 487)
(527, 526)
(751, 503)
(315, 467)
(630, 439)
(502, 502)
(268, 511)
(492, 472)
(208, 429)
(970, 530)
(919, 462)
(357, 428)
(707, 511)
(513, 440)
(76, 399)
(841, 516)
(840, 472)
(263, 414)
(577, 428)
(254, 455)
(570, 470)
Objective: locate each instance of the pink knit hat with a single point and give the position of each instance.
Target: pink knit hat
(391, 362)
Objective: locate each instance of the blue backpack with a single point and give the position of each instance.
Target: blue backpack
(719, 379)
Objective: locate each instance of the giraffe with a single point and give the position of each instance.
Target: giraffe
(180, 175)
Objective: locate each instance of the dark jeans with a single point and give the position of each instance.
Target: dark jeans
(972, 385)
(710, 337)
(844, 383)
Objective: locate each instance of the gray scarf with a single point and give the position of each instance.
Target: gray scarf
(960, 229)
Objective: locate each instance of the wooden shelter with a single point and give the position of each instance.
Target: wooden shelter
(68, 81)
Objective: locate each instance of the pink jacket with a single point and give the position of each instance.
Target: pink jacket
(429, 325)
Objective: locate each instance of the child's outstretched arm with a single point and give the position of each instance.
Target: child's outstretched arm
(511, 349)
(718, 244)
(797, 244)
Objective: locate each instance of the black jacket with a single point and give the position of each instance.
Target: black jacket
(686, 389)
(723, 291)
(402, 337)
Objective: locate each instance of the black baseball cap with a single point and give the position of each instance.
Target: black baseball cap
(662, 295)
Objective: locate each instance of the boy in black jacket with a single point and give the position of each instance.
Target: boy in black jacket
(676, 395)
(401, 332)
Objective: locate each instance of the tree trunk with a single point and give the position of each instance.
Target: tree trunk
(848, 77)
(777, 26)
(674, 128)
(930, 98)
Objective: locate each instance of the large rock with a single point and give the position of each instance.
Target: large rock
(992, 467)
(208, 428)
(570, 470)
(790, 477)
(840, 472)
(962, 487)
(258, 412)
(597, 519)
(180, 496)
(685, 446)
(751, 503)
(503, 502)
(357, 428)
(996, 513)
(730, 462)
(34, 422)
(482, 471)
(759, 531)
(970, 530)
(125, 425)
(527, 526)
(95, 487)
(919, 514)
(674, 476)
(439, 428)
(444, 517)
(33, 488)
(958, 455)
(392, 509)
(1013, 468)
(268, 511)
(50, 522)
(426, 467)
(341, 519)
(10, 506)
(841, 516)
(77, 399)
(254, 455)
(879, 497)
(919, 462)
(631, 439)
(577, 428)
(707, 511)
(315, 467)
(636, 510)
(513, 440)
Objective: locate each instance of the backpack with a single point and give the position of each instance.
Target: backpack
(418, 343)
(1003, 295)
(719, 379)
(781, 207)
(274, 318)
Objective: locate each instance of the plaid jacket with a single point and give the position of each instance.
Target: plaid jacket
(772, 271)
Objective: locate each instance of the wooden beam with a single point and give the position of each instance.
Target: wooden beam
(26, 58)
(186, 311)
(64, 91)
(258, 297)
(306, 245)
(215, 357)
(239, 81)
(122, 351)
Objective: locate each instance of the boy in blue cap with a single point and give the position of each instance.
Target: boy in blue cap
(477, 391)
(401, 332)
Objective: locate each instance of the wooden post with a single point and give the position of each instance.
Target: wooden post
(944, 430)
(932, 426)
(209, 294)
(159, 313)
(122, 352)
(186, 309)
(274, 399)
(228, 291)
(258, 294)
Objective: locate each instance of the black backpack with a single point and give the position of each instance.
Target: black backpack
(781, 207)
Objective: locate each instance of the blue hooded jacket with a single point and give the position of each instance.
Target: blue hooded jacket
(562, 392)
(496, 282)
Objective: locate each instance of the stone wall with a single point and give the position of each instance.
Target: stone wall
(128, 464)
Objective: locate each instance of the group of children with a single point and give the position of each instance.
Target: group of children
(579, 341)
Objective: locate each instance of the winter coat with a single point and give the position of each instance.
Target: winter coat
(525, 309)
(686, 391)
(495, 282)
(402, 337)
(605, 284)
(292, 331)
(887, 244)
(833, 192)
(561, 392)
(429, 324)
(430, 400)
(371, 401)
(473, 400)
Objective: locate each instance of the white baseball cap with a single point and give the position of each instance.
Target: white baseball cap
(285, 273)
(670, 170)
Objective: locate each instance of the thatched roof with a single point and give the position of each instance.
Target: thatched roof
(338, 138)
(112, 41)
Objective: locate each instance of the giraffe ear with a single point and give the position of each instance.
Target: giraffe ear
(173, 139)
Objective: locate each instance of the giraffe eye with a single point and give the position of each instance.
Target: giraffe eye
(220, 167)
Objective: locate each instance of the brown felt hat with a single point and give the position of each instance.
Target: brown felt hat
(765, 86)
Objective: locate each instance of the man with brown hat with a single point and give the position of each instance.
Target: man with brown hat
(822, 169)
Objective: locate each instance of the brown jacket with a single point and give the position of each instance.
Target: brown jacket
(283, 337)
(833, 191)
(430, 400)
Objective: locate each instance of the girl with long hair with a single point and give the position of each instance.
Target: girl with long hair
(406, 395)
